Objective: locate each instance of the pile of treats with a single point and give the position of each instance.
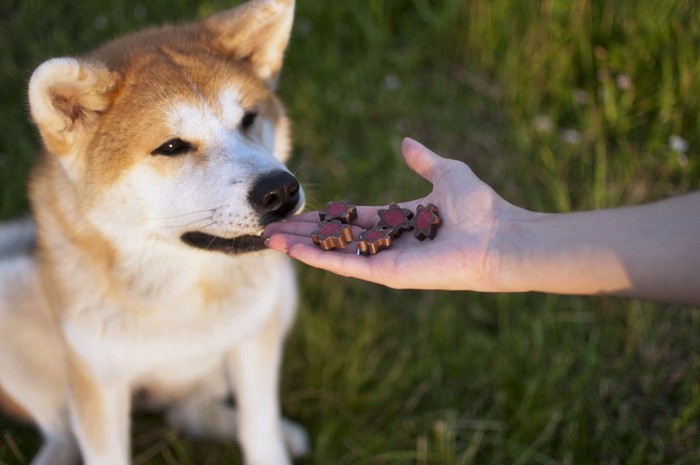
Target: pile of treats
(334, 231)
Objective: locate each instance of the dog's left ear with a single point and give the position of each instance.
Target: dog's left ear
(257, 31)
(67, 96)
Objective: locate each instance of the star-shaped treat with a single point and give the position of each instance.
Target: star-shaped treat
(342, 210)
(426, 222)
(395, 218)
(373, 240)
(332, 235)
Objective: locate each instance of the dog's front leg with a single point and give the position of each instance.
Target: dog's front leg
(99, 411)
(253, 368)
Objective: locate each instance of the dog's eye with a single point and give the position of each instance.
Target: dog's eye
(248, 119)
(173, 147)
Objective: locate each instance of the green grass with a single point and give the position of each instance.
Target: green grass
(559, 106)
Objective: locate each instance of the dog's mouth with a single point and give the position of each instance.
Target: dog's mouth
(232, 246)
(274, 196)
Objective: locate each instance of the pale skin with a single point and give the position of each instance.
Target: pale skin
(486, 244)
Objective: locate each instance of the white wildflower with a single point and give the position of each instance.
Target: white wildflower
(543, 124)
(623, 82)
(581, 97)
(678, 144)
(571, 136)
(392, 82)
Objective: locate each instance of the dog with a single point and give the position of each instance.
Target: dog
(148, 284)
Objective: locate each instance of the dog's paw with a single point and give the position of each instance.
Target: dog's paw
(295, 438)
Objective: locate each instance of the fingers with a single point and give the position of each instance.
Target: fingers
(299, 225)
(427, 163)
(420, 159)
(293, 239)
(366, 218)
(293, 236)
(284, 235)
(283, 242)
(346, 264)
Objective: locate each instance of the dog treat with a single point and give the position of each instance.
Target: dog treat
(334, 230)
(373, 240)
(395, 218)
(332, 235)
(425, 222)
(343, 211)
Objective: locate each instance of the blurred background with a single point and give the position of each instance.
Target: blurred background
(559, 105)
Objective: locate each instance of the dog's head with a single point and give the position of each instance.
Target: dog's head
(175, 131)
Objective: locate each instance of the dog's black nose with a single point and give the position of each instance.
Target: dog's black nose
(275, 194)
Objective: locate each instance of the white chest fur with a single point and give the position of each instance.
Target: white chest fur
(177, 315)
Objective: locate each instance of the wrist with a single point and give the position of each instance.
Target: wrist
(515, 243)
(566, 253)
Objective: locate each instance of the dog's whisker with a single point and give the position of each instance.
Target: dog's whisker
(191, 223)
(208, 210)
(211, 242)
(201, 228)
(179, 226)
(182, 225)
(300, 168)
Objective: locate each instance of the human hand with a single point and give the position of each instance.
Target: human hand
(466, 254)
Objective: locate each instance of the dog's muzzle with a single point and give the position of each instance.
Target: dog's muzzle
(274, 195)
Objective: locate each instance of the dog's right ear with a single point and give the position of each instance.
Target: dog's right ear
(256, 31)
(66, 96)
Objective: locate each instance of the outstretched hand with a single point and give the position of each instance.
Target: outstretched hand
(486, 244)
(463, 255)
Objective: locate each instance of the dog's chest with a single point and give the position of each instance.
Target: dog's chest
(182, 326)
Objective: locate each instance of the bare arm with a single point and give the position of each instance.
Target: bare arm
(486, 244)
(649, 251)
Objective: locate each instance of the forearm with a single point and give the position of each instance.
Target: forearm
(650, 251)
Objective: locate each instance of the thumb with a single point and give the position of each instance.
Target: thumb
(420, 159)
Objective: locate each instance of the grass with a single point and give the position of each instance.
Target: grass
(559, 106)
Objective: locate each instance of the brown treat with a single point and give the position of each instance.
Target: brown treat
(373, 240)
(332, 235)
(395, 218)
(343, 211)
(426, 222)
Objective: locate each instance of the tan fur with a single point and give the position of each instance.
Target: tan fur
(104, 295)
(200, 70)
(91, 410)
(12, 408)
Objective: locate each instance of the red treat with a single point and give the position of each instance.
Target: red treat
(395, 218)
(332, 235)
(374, 240)
(426, 222)
(343, 211)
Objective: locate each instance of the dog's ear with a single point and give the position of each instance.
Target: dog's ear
(257, 31)
(66, 96)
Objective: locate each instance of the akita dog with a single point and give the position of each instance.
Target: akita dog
(148, 283)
